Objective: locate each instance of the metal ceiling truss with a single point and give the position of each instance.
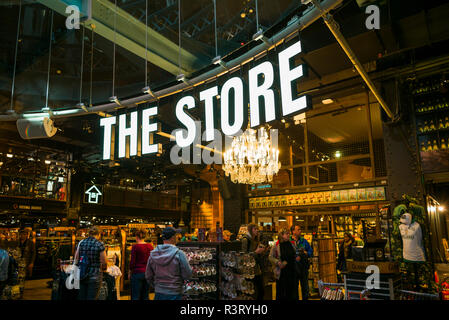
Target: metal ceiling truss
(130, 34)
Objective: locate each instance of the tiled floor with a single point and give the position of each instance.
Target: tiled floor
(37, 290)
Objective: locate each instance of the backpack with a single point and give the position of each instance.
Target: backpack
(83, 264)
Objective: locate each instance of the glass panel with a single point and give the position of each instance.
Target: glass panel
(340, 134)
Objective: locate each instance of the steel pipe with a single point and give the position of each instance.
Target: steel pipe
(335, 29)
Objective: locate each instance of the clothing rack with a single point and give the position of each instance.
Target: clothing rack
(333, 286)
(412, 295)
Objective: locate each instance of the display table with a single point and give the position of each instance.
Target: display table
(356, 276)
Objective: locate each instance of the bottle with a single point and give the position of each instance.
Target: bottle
(446, 122)
(426, 127)
(435, 145)
(432, 126)
(441, 124)
(420, 128)
(443, 144)
(431, 106)
(423, 147)
(429, 146)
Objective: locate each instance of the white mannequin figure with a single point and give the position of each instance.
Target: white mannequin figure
(411, 234)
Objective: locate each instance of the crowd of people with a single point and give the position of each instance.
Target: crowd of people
(165, 267)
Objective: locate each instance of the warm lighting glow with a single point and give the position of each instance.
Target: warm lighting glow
(441, 208)
(327, 101)
(47, 161)
(9, 155)
(252, 158)
(338, 154)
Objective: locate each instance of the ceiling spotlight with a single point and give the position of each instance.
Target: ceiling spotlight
(441, 208)
(180, 77)
(114, 99)
(30, 159)
(327, 101)
(47, 161)
(147, 90)
(258, 35)
(9, 155)
(81, 106)
(243, 15)
(216, 60)
(338, 154)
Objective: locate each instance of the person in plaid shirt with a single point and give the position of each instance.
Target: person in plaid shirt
(96, 255)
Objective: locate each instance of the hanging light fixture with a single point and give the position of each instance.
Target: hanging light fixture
(252, 158)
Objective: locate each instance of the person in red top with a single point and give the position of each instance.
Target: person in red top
(140, 253)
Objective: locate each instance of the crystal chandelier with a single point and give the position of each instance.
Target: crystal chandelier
(252, 158)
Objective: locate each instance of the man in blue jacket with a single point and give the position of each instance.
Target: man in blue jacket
(303, 253)
(167, 268)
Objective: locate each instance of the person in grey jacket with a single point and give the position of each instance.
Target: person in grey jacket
(167, 268)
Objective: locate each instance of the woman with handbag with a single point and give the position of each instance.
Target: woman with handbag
(283, 258)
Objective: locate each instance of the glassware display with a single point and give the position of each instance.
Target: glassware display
(205, 279)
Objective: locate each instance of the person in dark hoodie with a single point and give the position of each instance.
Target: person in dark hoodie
(167, 268)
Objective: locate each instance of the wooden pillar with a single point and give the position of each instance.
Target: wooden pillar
(291, 164)
(122, 260)
(370, 136)
(306, 152)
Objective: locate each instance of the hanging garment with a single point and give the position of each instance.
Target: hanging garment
(411, 234)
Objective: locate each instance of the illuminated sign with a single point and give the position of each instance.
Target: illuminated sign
(93, 194)
(135, 132)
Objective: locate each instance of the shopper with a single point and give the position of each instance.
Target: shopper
(250, 243)
(140, 253)
(227, 236)
(8, 270)
(303, 254)
(167, 268)
(3, 241)
(283, 257)
(158, 232)
(345, 251)
(28, 250)
(92, 250)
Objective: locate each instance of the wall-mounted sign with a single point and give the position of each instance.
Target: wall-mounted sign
(316, 198)
(134, 132)
(93, 194)
(26, 207)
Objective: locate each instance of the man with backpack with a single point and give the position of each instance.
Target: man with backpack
(91, 260)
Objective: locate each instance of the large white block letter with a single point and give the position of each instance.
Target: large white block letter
(255, 91)
(208, 97)
(107, 123)
(286, 75)
(187, 121)
(147, 128)
(237, 85)
(130, 132)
